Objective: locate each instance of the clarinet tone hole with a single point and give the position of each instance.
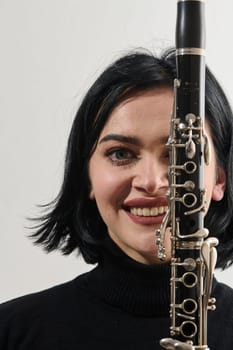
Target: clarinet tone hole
(189, 279)
(190, 167)
(189, 200)
(189, 306)
(188, 329)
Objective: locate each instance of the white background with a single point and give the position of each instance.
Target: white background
(51, 51)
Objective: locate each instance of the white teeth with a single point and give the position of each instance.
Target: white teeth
(133, 211)
(161, 210)
(154, 211)
(146, 212)
(149, 211)
(139, 212)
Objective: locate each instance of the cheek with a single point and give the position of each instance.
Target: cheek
(109, 187)
(109, 192)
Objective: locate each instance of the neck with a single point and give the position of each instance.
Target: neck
(132, 286)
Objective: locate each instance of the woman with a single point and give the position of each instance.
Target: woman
(112, 199)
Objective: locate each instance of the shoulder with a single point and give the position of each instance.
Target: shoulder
(48, 298)
(224, 299)
(221, 320)
(29, 316)
(42, 297)
(223, 293)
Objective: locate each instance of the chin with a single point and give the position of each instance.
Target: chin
(147, 254)
(147, 245)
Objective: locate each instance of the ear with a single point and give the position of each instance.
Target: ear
(220, 185)
(92, 195)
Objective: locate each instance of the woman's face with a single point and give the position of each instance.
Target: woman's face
(128, 172)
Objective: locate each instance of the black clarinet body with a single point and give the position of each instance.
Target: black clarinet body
(190, 106)
(193, 255)
(189, 217)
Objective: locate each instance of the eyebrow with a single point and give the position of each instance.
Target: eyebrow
(128, 139)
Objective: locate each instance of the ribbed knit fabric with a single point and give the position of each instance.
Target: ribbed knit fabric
(119, 305)
(133, 287)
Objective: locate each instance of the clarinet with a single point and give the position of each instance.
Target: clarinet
(193, 255)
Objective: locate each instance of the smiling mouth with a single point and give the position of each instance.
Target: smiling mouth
(155, 211)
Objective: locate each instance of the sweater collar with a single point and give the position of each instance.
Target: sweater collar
(129, 285)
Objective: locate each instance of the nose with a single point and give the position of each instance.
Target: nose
(151, 177)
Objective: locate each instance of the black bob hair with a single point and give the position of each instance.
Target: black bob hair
(72, 220)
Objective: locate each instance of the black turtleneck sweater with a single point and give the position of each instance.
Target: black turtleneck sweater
(119, 305)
